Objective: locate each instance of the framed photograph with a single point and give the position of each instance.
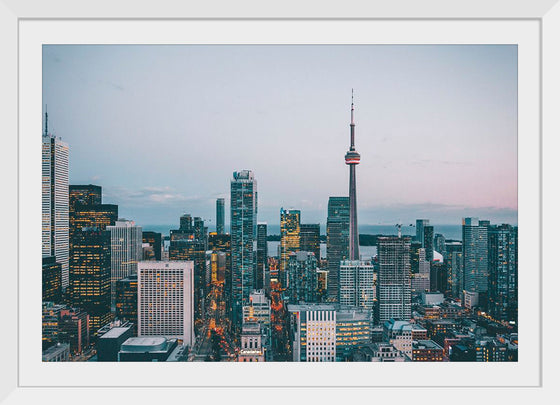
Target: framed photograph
(446, 110)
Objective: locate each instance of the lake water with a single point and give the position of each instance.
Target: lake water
(366, 252)
(449, 231)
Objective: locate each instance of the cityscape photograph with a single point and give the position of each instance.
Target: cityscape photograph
(279, 203)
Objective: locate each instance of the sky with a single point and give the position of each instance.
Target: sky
(162, 128)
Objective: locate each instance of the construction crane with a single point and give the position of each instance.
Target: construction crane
(399, 228)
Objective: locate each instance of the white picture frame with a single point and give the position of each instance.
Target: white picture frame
(14, 387)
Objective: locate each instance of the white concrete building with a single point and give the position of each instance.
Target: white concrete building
(258, 309)
(393, 279)
(420, 281)
(55, 208)
(251, 343)
(165, 300)
(313, 332)
(126, 252)
(356, 283)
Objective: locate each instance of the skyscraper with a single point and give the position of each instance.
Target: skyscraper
(262, 273)
(200, 232)
(429, 242)
(243, 235)
(98, 216)
(352, 159)
(80, 194)
(126, 252)
(154, 240)
(52, 285)
(415, 247)
(126, 301)
(55, 222)
(301, 276)
(502, 269)
(313, 332)
(454, 263)
(220, 215)
(192, 250)
(165, 300)
(393, 279)
(356, 284)
(420, 224)
(310, 239)
(90, 275)
(222, 243)
(420, 281)
(475, 258)
(289, 238)
(439, 243)
(337, 241)
(186, 223)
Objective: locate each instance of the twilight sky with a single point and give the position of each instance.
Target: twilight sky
(162, 128)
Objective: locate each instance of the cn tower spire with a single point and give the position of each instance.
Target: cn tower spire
(352, 159)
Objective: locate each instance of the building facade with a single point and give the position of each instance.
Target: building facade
(502, 269)
(353, 330)
(420, 224)
(301, 277)
(83, 194)
(310, 239)
(52, 280)
(313, 332)
(429, 243)
(262, 274)
(420, 281)
(90, 275)
(251, 349)
(454, 263)
(165, 300)
(475, 258)
(154, 240)
(220, 215)
(192, 250)
(87, 216)
(289, 239)
(50, 323)
(393, 279)
(243, 237)
(74, 328)
(55, 202)
(126, 252)
(338, 228)
(126, 301)
(356, 284)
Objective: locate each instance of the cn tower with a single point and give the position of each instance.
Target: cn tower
(352, 159)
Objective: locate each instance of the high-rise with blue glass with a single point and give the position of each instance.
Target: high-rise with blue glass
(243, 240)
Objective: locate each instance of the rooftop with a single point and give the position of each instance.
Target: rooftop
(425, 344)
(59, 347)
(146, 344)
(310, 307)
(115, 332)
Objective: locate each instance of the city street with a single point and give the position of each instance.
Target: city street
(215, 324)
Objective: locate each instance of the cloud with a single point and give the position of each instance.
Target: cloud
(114, 86)
(429, 162)
(148, 196)
(438, 213)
